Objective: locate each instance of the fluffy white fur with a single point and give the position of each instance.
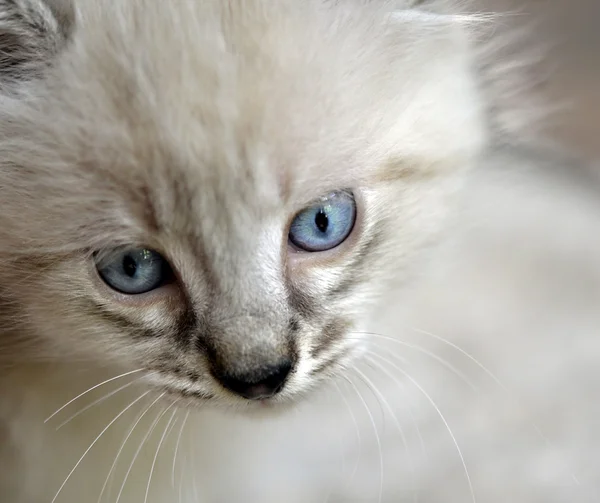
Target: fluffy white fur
(256, 108)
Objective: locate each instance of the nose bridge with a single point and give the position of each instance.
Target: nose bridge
(247, 268)
(250, 298)
(253, 288)
(247, 313)
(242, 344)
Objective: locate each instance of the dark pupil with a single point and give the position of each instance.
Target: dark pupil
(322, 221)
(129, 266)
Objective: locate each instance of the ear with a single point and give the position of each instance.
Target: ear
(436, 65)
(31, 33)
(507, 61)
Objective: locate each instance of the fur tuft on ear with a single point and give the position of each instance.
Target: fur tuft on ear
(508, 60)
(31, 32)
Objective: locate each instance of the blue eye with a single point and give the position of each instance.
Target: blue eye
(324, 225)
(134, 271)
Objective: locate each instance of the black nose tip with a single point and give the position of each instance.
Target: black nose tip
(263, 383)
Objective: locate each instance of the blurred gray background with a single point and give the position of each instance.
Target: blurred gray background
(573, 29)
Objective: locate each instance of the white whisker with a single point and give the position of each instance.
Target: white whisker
(94, 443)
(137, 452)
(464, 353)
(499, 383)
(340, 446)
(428, 353)
(94, 403)
(409, 409)
(378, 400)
(377, 439)
(187, 415)
(119, 452)
(181, 479)
(89, 390)
(172, 427)
(439, 412)
(160, 443)
(372, 386)
(356, 429)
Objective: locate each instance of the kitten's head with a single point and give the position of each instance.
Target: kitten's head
(218, 191)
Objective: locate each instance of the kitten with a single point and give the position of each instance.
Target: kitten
(214, 204)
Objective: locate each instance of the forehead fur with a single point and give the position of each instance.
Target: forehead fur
(252, 101)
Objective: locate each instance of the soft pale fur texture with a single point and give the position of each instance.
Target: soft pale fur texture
(199, 129)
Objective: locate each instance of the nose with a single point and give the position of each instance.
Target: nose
(262, 383)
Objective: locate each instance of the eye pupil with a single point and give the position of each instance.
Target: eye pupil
(324, 225)
(129, 266)
(134, 271)
(321, 221)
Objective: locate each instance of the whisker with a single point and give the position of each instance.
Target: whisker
(428, 353)
(191, 464)
(409, 410)
(137, 452)
(340, 442)
(459, 374)
(160, 443)
(439, 412)
(499, 383)
(377, 439)
(377, 399)
(372, 386)
(464, 353)
(356, 429)
(190, 468)
(181, 479)
(94, 403)
(172, 427)
(119, 452)
(94, 443)
(340, 446)
(89, 390)
(187, 415)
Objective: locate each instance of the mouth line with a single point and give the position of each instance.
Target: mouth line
(186, 394)
(186, 389)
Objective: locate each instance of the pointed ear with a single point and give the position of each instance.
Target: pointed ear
(509, 60)
(31, 33)
(434, 55)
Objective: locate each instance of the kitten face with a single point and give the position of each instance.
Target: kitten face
(218, 192)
